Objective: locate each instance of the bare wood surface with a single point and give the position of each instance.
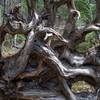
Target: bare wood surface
(49, 59)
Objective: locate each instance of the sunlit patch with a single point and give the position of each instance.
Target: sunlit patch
(12, 44)
(78, 60)
(82, 86)
(47, 35)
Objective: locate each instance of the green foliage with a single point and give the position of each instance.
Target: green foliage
(40, 5)
(90, 40)
(62, 11)
(87, 10)
(83, 47)
(1, 14)
(24, 6)
(20, 38)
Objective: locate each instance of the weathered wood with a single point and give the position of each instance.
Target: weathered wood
(49, 59)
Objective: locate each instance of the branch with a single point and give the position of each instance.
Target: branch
(79, 34)
(50, 10)
(15, 24)
(31, 5)
(51, 31)
(66, 90)
(34, 74)
(18, 27)
(74, 14)
(16, 64)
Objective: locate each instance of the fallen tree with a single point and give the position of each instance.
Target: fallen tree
(57, 61)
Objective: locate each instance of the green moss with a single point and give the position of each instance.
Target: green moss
(82, 86)
(90, 40)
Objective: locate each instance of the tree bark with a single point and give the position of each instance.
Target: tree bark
(62, 60)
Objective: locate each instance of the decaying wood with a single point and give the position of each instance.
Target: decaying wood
(53, 61)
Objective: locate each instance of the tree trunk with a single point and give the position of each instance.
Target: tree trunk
(40, 62)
